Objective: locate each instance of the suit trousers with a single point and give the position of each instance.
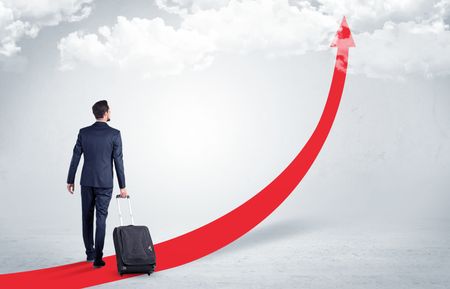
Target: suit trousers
(98, 198)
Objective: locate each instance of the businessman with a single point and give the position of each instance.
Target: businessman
(101, 145)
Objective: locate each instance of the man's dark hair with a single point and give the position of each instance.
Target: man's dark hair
(99, 108)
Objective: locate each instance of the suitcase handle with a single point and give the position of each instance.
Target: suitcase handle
(120, 212)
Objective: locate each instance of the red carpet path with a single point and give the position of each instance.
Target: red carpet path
(220, 232)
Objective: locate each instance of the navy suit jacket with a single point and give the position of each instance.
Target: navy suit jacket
(101, 145)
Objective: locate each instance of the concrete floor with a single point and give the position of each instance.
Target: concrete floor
(291, 253)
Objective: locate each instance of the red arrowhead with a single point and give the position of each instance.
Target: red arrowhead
(343, 36)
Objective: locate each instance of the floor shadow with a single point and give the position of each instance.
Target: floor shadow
(264, 234)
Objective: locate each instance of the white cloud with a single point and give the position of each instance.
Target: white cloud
(154, 48)
(369, 15)
(11, 30)
(271, 26)
(397, 38)
(401, 49)
(185, 7)
(24, 18)
(149, 47)
(394, 38)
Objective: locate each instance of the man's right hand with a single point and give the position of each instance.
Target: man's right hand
(71, 188)
(123, 193)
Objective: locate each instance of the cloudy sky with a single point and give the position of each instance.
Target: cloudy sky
(158, 38)
(215, 98)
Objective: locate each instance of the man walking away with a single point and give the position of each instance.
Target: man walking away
(101, 146)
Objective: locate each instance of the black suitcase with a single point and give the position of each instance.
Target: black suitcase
(134, 246)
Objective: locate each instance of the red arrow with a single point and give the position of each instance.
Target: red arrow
(222, 231)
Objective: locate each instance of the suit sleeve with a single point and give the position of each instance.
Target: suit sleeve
(118, 160)
(77, 151)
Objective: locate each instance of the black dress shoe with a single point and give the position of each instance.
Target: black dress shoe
(90, 259)
(99, 263)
